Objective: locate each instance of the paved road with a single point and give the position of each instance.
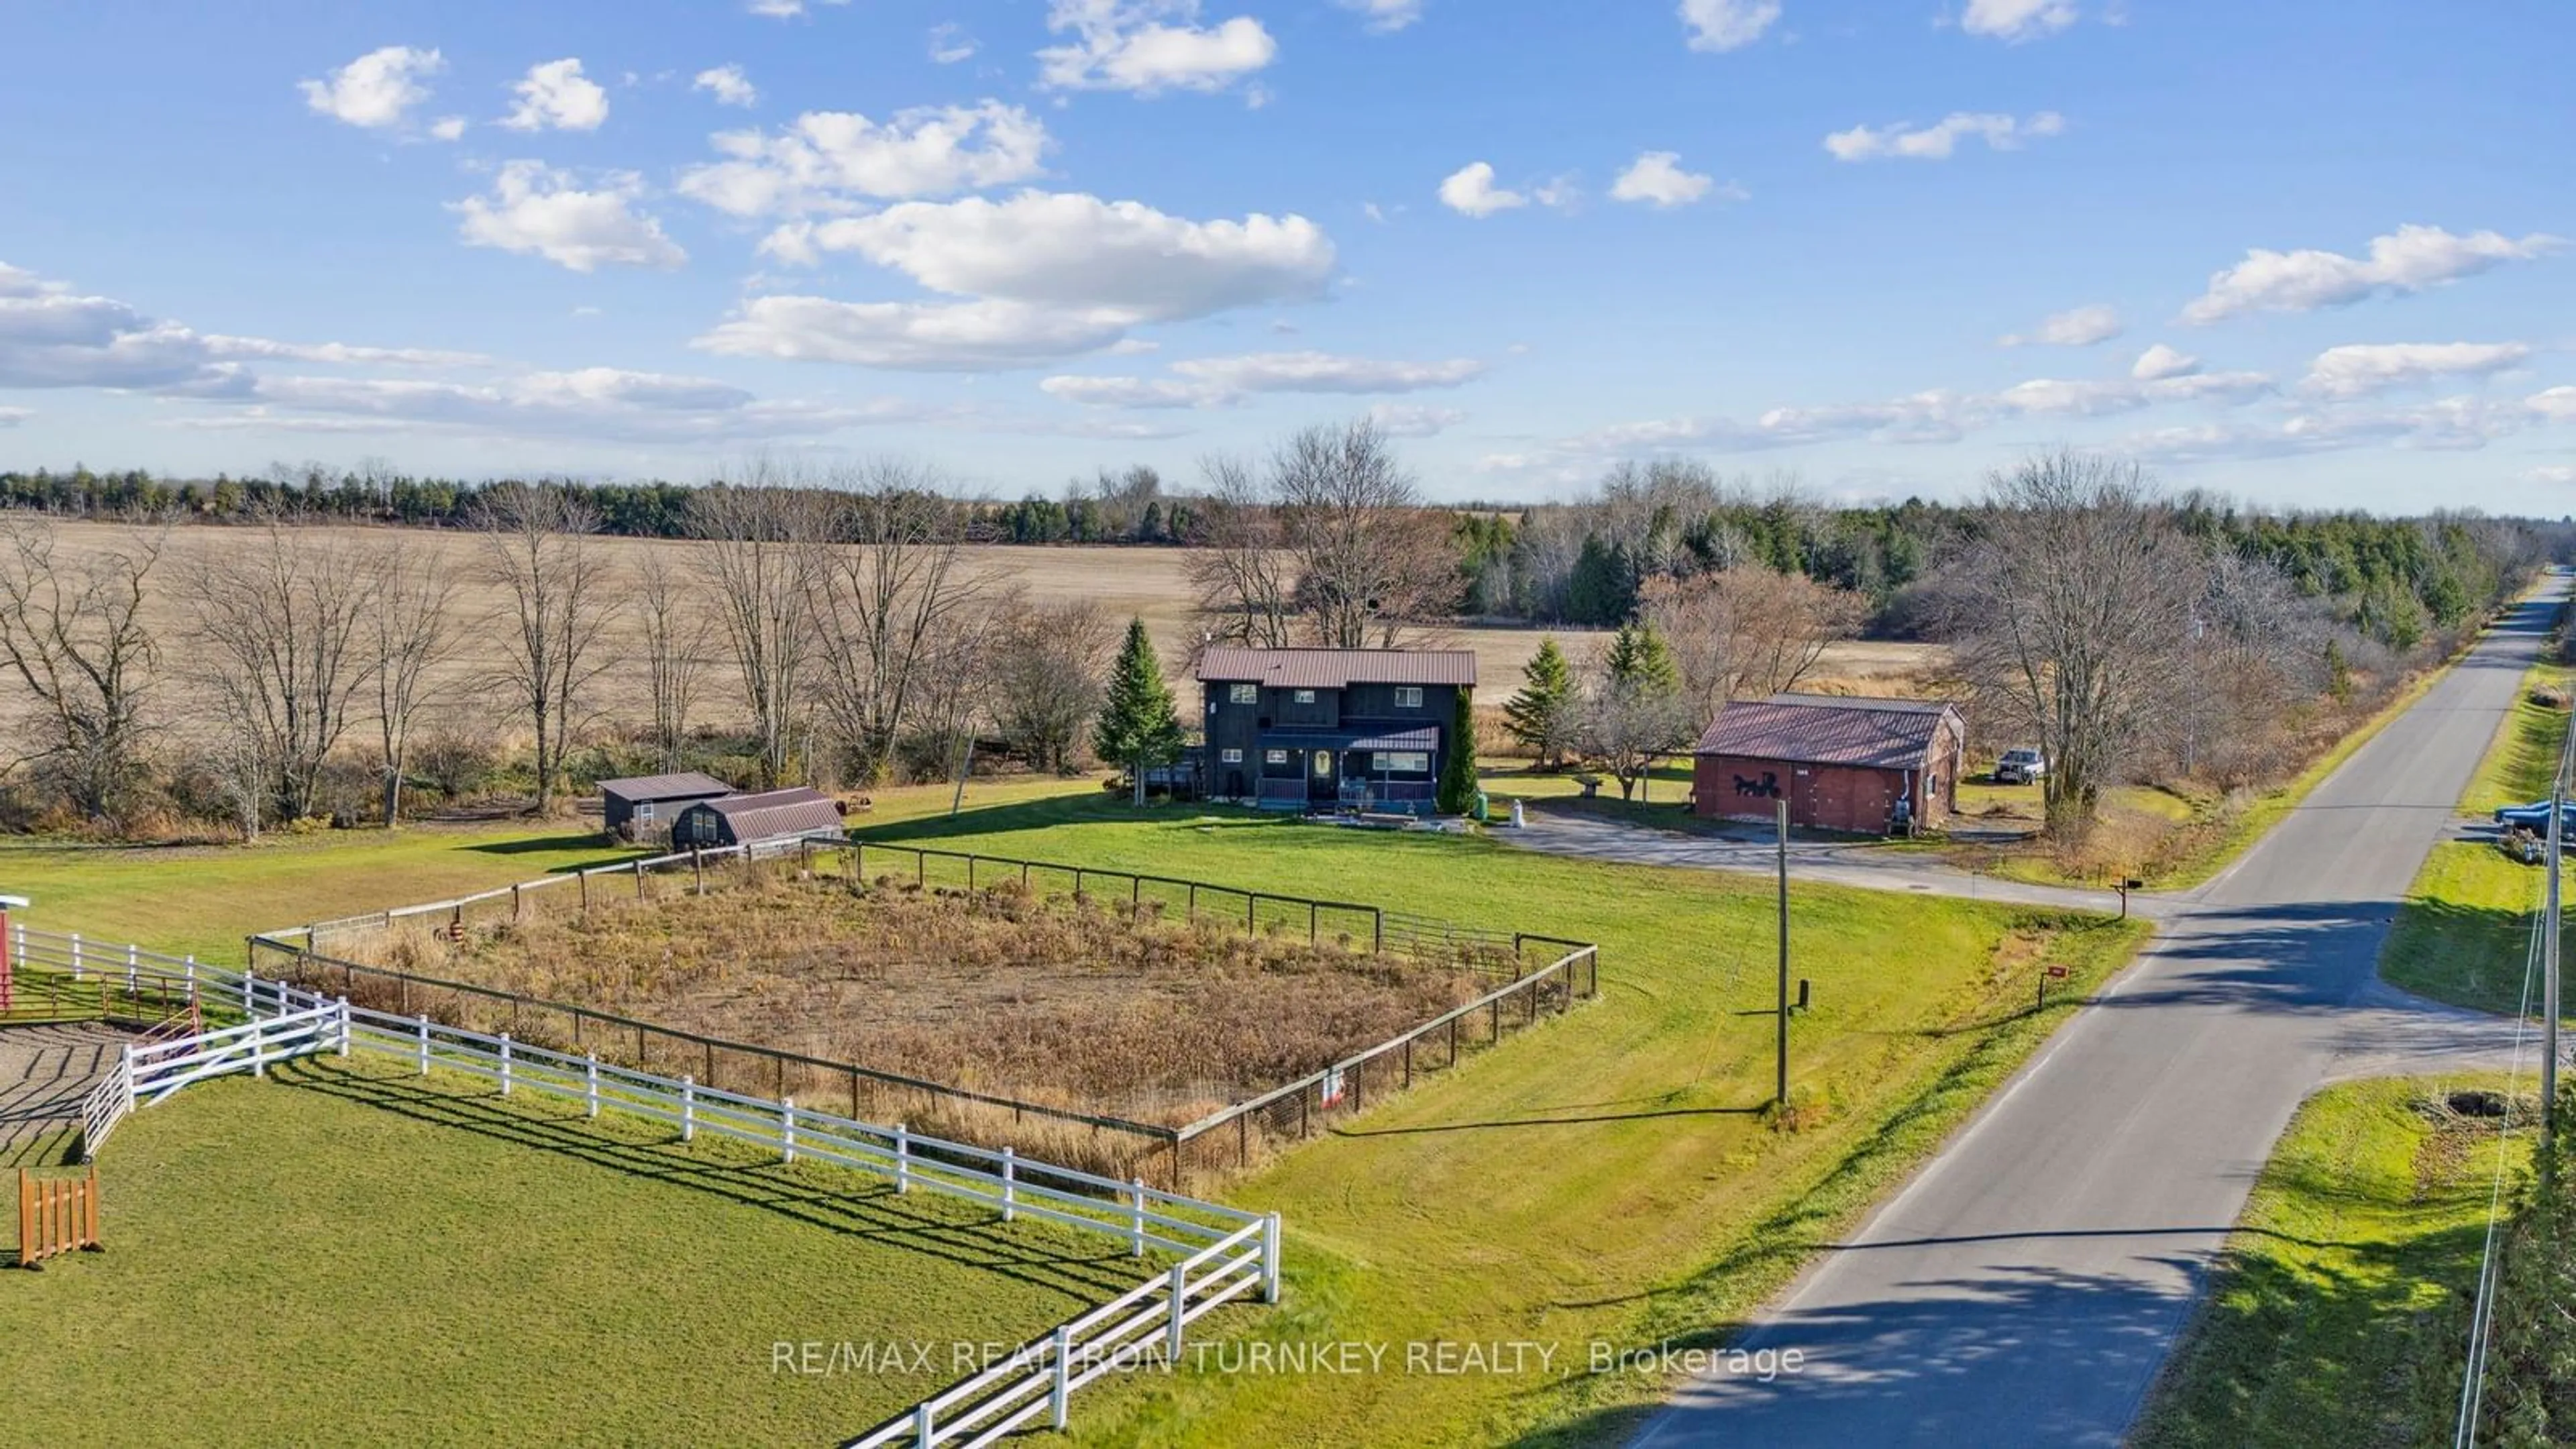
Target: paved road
(2026, 1286)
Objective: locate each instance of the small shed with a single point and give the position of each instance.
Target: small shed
(792, 814)
(1842, 763)
(645, 804)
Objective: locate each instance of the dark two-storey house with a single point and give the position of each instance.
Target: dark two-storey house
(1331, 729)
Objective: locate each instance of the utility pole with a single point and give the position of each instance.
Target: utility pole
(1781, 1091)
(2549, 926)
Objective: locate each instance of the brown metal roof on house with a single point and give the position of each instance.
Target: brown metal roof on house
(774, 814)
(686, 785)
(1825, 729)
(1338, 668)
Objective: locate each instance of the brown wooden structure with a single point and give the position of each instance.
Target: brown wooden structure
(56, 1215)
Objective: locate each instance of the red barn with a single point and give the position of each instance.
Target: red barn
(1841, 763)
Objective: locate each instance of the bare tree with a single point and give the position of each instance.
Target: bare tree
(886, 591)
(537, 550)
(1372, 563)
(1048, 665)
(1242, 575)
(1747, 632)
(2072, 613)
(72, 631)
(676, 643)
(760, 546)
(412, 632)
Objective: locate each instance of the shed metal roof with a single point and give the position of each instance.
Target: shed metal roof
(1826, 729)
(686, 785)
(1338, 668)
(773, 814)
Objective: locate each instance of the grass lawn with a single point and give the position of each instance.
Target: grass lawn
(205, 899)
(2339, 1316)
(347, 1253)
(2464, 930)
(1606, 1177)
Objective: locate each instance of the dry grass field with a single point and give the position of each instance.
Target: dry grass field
(1069, 1002)
(1150, 583)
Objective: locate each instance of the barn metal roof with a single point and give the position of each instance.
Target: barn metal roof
(1827, 729)
(687, 784)
(1338, 668)
(775, 814)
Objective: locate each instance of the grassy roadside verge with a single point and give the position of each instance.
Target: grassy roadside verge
(2339, 1315)
(1609, 1177)
(2462, 932)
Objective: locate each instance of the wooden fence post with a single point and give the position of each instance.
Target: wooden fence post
(1180, 1302)
(1010, 1206)
(902, 1159)
(688, 1109)
(1137, 1216)
(591, 1082)
(787, 1130)
(505, 1064)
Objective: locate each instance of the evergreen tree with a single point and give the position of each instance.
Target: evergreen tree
(1542, 714)
(1639, 661)
(1457, 792)
(1139, 725)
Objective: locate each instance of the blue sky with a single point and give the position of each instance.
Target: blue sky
(2308, 253)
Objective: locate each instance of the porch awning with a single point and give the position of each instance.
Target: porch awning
(1425, 738)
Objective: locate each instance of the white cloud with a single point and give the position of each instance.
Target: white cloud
(1325, 372)
(1071, 250)
(12, 417)
(962, 336)
(593, 402)
(1657, 178)
(949, 44)
(2359, 369)
(378, 89)
(1470, 190)
(2557, 404)
(1148, 47)
(1218, 381)
(52, 338)
(448, 128)
(556, 94)
(825, 159)
(2075, 327)
(537, 210)
(783, 9)
(219, 345)
(19, 282)
(728, 85)
(2160, 362)
(2410, 259)
(2550, 473)
(2017, 20)
(1936, 142)
(1407, 420)
(1385, 16)
(1727, 24)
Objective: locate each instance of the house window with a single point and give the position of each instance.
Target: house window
(1274, 757)
(644, 811)
(1304, 696)
(1243, 694)
(1408, 696)
(1398, 762)
(1233, 757)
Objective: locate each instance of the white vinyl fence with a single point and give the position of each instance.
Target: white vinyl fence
(1224, 1253)
(147, 1072)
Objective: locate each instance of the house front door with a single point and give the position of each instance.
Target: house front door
(1322, 781)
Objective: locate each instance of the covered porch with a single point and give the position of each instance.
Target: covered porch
(1364, 771)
